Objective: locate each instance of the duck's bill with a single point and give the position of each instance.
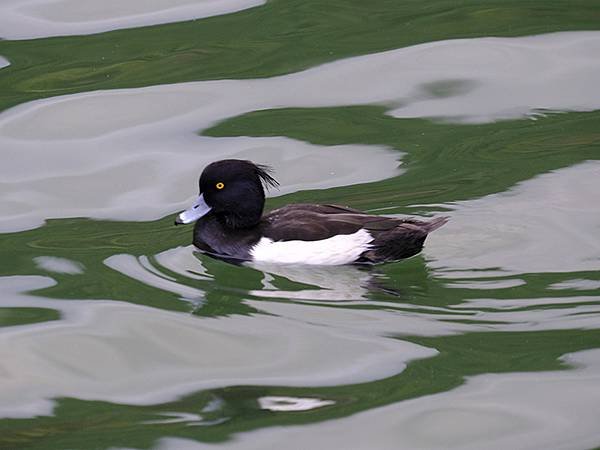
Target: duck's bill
(198, 209)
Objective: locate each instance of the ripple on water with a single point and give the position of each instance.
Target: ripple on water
(131, 152)
(556, 410)
(318, 283)
(577, 284)
(124, 353)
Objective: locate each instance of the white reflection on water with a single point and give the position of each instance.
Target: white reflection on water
(550, 223)
(577, 284)
(133, 154)
(43, 18)
(288, 404)
(315, 283)
(125, 353)
(135, 268)
(488, 284)
(59, 265)
(181, 260)
(331, 283)
(397, 320)
(557, 410)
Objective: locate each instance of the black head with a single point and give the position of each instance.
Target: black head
(234, 190)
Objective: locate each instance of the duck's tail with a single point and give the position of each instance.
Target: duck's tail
(406, 239)
(436, 223)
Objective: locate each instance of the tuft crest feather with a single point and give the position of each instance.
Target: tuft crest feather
(264, 173)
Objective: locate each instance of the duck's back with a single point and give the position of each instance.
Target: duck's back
(331, 234)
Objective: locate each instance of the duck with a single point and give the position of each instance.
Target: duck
(229, 224)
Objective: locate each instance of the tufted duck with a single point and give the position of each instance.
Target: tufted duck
(230, 224)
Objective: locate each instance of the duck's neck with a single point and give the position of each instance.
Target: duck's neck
(240, 219)
(246, 214)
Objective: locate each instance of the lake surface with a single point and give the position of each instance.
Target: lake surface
(116, 334)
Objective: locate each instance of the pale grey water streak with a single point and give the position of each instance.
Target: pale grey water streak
(45, 18)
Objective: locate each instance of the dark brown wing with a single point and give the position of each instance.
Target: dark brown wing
(307, 222)
(392, 238)
(322, 209)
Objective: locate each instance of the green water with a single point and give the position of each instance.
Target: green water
(499, 318)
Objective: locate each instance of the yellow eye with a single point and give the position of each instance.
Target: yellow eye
(219, 185)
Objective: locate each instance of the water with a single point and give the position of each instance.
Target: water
(115, 333)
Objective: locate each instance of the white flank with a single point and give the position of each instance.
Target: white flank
(340, 249)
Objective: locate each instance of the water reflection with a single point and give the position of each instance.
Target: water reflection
(59, 265)
(384, 350)
(180, 270)
(338, 331)
(328, 283)
(131, 153)
(149, 179)
(526, 411)
(139, 269)
(125, 353)
(289, 404)
(577, 284)
(44, 18)
(547, 224)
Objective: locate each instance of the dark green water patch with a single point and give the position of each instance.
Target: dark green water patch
(25, 316)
